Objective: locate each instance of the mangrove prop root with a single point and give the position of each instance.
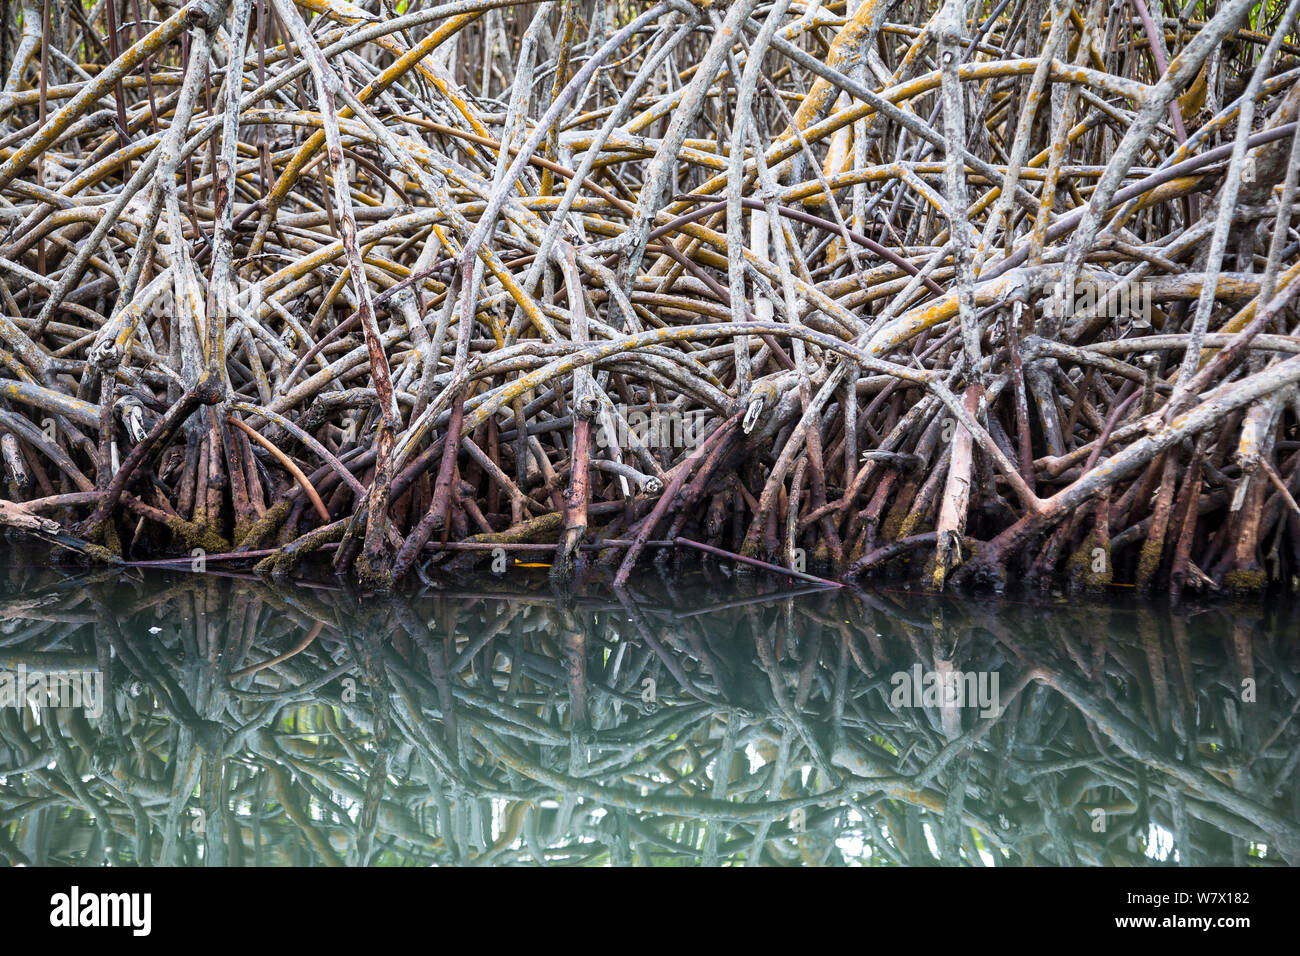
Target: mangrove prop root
(989, 290)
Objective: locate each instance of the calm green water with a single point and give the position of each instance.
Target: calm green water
(226, 720)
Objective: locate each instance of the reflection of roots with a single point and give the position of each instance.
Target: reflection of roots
(512, 742)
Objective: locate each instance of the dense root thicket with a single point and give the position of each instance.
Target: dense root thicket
(245, 722)
(996, 288)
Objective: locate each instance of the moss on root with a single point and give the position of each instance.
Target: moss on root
(1080, 567)
(892, 527)
(265, 526)
(285, 559)
(97, 552)
(542, 528)
(370, 575)
(1247, 580)
(929, 569)
(1149, 563)
(194, 535)
(916, 522)
(822, 557)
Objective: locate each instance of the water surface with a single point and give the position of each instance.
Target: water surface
(241, 722)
